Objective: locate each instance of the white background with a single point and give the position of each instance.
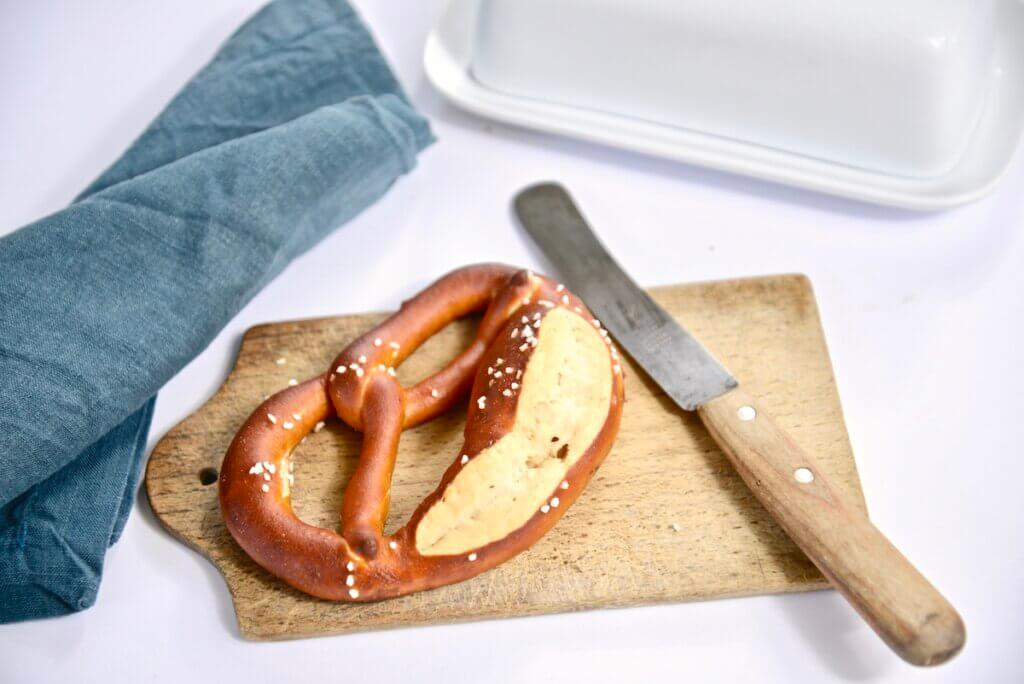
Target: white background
(922, 315)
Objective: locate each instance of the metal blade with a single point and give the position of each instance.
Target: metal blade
(670, 355)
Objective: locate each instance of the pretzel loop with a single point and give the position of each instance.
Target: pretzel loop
(520, 468)
(366, 394)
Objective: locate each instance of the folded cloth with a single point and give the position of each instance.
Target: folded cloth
(295, 126)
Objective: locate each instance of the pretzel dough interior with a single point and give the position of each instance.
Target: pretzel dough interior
(566, 392)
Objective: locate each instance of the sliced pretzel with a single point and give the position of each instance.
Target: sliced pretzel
(547, 393)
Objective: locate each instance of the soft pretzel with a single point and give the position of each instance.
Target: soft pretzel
(547, 393)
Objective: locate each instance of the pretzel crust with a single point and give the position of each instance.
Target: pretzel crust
(361, 563)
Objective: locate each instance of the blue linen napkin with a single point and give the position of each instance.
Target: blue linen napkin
(293, 128)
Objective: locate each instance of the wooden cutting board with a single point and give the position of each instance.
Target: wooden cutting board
(665, 518)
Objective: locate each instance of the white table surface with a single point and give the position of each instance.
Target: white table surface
(922, 315)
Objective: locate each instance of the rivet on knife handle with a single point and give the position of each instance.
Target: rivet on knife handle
(893, 597)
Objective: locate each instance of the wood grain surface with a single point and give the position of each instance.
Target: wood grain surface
(666, 518)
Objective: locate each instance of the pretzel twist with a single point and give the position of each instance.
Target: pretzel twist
(456, 532)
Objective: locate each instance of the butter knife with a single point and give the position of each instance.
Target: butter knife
(906, 611)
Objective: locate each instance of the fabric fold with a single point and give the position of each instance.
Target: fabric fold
(292, 129)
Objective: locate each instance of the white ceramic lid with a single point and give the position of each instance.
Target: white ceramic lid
(887, 85)
(917, 103)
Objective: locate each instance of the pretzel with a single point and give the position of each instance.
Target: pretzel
(547, 393)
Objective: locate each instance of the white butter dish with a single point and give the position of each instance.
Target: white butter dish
(914, 103)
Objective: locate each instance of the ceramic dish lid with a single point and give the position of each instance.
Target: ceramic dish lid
(918, 105)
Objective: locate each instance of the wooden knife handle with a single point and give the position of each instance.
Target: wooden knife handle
(896, 600)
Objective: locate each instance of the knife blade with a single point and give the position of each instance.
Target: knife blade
(906, 611)
(677, 362)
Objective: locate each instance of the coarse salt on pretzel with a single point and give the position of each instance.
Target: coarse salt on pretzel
(546, 393)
